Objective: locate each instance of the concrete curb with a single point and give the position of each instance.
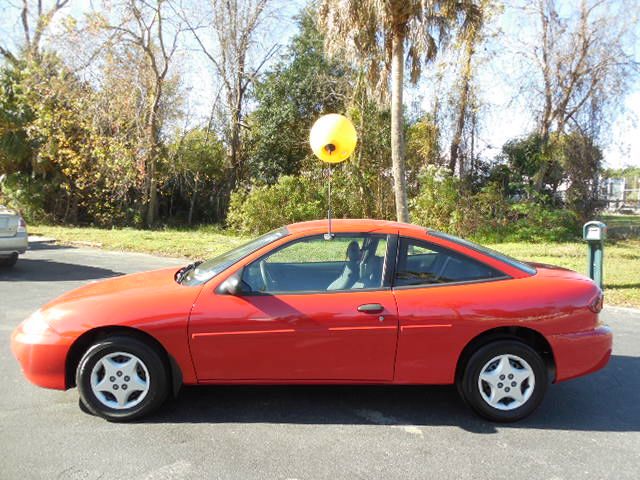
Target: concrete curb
(614, 309)
(38, 239)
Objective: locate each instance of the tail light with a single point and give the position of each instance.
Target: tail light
(22, 226)
(597, 303)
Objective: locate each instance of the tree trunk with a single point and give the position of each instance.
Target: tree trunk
(547, 114)
(152, 207)
(397, 140)
(454, 153)
(67, 208)
(192, 203)
(152, 159)
(235, 160)
(472, 151)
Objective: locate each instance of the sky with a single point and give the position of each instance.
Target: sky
(505, 116)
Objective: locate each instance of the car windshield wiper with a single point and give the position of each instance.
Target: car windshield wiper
(180, 274)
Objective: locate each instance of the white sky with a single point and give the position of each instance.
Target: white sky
(502, 117)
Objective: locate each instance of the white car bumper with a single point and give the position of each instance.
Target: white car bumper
(16, 244)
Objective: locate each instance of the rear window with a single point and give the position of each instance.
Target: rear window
(487, 251)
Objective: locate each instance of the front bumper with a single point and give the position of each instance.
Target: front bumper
(581, 353)
(16, 244)
(42, 357)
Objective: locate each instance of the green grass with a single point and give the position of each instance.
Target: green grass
(621, 264)
(197, 243)
(621, 220)
(622, 258)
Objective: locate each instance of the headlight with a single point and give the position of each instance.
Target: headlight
(36, 324)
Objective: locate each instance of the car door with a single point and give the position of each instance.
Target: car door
(442, 298)
(312, 310)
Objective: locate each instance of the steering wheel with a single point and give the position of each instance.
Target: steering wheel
(267, 279)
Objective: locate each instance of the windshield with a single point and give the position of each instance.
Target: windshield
(209, 269)
(487, 251)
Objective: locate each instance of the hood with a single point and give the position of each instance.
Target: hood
(132, 284)
(137, 300)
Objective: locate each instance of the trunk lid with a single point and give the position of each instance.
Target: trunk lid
(547, 270)
(8, 222)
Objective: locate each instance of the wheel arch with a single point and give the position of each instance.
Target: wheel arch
(88, 338)
(527, 335)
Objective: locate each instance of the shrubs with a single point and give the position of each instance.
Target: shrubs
(263, 208)
(444, 203)
(304, 197)
(438, 203)
(537, 223)
(24, 194)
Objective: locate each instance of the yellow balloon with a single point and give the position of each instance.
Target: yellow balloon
(333, 138)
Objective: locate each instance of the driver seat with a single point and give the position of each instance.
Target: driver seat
(351, 271)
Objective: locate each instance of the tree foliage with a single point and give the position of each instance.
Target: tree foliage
(374, 35)
(302, 86)
(98, 123)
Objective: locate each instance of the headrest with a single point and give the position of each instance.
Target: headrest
(353, 251)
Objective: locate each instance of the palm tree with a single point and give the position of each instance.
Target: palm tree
(469, 39)
(375, 35)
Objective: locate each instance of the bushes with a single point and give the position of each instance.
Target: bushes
(263, 208)
(537, 223)
(24, 194)
(304, 197)
(444, 203)
(438, 203)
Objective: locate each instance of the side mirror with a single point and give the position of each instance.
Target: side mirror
(234, 285)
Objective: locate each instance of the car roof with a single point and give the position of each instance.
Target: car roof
(354, 225)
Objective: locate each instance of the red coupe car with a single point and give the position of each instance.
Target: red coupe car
(374, 303)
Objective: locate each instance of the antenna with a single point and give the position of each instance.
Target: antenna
(329, 235)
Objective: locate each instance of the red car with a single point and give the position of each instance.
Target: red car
(374, 303)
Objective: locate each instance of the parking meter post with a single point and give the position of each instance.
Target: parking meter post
(595, 262)
(594, 233)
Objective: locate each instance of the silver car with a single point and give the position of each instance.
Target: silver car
(13, 237)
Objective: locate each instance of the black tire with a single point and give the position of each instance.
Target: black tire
(150, 358)
(9, 262)
(83, 406)
(469, 386)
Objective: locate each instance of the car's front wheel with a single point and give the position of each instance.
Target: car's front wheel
(121, 378)
(504, 381)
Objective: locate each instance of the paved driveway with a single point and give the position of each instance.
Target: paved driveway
(586, 428)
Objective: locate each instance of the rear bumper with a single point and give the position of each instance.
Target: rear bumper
(16, 244)
(581, 353)
(42, 357)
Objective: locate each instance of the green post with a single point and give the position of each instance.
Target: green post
(594, 233)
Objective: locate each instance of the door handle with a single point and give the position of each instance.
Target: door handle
(371, 308)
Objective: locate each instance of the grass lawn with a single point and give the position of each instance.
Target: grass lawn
(197, 243)
(622, 258)
(615, 220)
(621, 264)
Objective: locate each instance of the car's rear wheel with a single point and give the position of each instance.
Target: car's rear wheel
(121, 378)
(504, 381)
(10, 261)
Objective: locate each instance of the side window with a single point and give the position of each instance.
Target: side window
(421, 263)
(313, 264)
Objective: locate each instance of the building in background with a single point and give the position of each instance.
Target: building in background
(620, 195)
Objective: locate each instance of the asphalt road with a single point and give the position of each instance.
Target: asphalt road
(586, 428)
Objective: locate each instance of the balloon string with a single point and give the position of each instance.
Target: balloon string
(329, 235)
